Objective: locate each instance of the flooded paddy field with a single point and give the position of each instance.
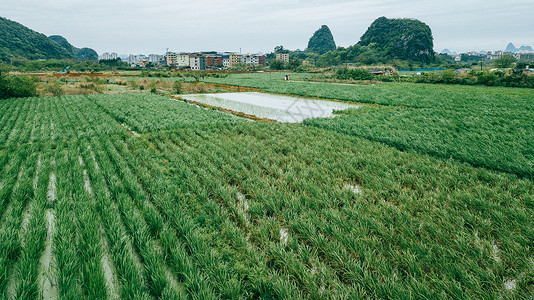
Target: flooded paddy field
(280, 108)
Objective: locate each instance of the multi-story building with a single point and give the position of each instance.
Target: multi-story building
(113, 56)
(259, 59)
(234, 59)
(246, 59)
(171, 59)
(525, 56)
(105, 56)
(154, 58)
(226, 61)
(197, 62)
(214, 61)
(133, 59)
(253, 59)
(282, 57)
(182, 60)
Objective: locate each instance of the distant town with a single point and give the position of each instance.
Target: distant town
(523, 53)
(213, 60)
(210, 60)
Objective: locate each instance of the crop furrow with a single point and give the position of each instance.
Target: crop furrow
(159, 282)
(26, 283)
(10, 122)
(68, 122)
(7, 111)
(15, 132)
(293, 265)
(278, 284)
(167, 207)
(127, 265)
(11, 222)
(35, 121)
(28, 124)
(66, 237)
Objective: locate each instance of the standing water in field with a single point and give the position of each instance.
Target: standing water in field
(275, 107)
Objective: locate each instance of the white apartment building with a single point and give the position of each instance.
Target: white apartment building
(106, 55)
(226, 61)
(253, 59)
(182, 60)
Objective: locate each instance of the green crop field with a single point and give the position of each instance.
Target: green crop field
(138, 196)
(484, 126)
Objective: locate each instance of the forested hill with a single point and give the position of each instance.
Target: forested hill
(407, 39)
(81, 54)
(322, 41)
(19, 41)
(399, 42)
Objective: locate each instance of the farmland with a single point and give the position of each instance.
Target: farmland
(138, 196)
(484, 126)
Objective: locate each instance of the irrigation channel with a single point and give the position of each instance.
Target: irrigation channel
(275, 107)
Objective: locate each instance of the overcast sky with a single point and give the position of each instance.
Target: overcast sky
(144, 27)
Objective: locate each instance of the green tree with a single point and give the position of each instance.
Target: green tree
(280, 49)
(294, 63)
(277, 65)
(504, 61)
(18, 41)
(356, 74)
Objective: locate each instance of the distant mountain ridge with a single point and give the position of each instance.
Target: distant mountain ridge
(511, 48)
(19, 41)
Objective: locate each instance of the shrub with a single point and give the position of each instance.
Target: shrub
(356, 74)
(54, 88)
(177, 87)
(16, 86)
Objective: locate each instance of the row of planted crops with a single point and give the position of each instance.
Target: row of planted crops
(208, 206)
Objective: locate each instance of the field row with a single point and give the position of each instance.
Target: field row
(50, 119)
(147, 112)
(495, 143)
(484, 126)
(62, 118)
(341, 215)
(257, 210)
(507, 101)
